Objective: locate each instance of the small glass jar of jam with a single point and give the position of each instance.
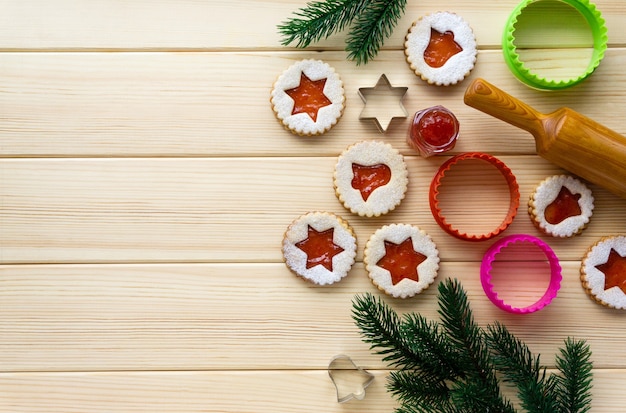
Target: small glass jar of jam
(433, 130)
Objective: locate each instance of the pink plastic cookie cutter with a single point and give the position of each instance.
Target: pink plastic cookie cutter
(487, 266)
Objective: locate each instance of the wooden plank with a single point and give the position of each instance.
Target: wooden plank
(236, 392)
(217, 104)
(187, 24)
(245, 316)
(227, 209)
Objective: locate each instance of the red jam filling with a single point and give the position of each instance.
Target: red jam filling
(441, 47)
(565, 205)
(308, 96)
(436, 127)
(614, 271)
(319, 248)
(401, 260)
(366, 179)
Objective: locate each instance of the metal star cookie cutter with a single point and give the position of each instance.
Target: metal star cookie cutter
(383, 103)
(349, 379)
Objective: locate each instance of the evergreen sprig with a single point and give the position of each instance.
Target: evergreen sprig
(454, 365)
(370, 22)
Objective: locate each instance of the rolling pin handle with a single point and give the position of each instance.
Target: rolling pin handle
(487, 98)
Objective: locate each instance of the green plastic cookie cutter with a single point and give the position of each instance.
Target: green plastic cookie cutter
(572, 27)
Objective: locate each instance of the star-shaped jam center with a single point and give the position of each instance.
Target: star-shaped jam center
(308, 96)
(614, 271)
(319, 248)
(401, 260)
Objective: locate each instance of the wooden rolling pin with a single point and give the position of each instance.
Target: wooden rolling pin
(564, 137)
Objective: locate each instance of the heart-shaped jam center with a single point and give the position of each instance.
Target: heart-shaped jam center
(565, 205)
(441, 47)
(368, 178)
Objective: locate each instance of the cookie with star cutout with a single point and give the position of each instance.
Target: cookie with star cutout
(308, 98)
(319, 247)
(401, 260)
(603, 272)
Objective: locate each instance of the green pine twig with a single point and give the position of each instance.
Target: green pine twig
(380, 327)
(574, 383)
(318, 20)
(372, 27)
(425, 338)
(420, 391)
(479, 390)
(370, 23)
(521, 368)
(471, 359)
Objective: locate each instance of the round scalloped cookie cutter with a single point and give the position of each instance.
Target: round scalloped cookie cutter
(487, 265)
(508, 176)
(545, 21)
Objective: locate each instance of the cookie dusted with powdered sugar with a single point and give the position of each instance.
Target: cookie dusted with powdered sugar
(308, 98)
(401, 260)
(319, 247)
(441, 48)
(603, 272)
(561, 206)
(371, 178)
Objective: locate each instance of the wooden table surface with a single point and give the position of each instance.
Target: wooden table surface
(145, 186)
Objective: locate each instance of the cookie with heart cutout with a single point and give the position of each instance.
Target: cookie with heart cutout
(441, 48)
(371, 178)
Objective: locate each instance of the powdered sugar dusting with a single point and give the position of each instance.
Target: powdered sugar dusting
(343, 235)
(327, 116)
(384, 198)
(458, 66)
(422, 243)
(546, 193)
(593, 278)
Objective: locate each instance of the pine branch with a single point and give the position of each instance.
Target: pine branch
(319, 19)
(437, 356)
(458, 321)
(452, 367)
(574, 384)
(372, 27)
(515, 360)
(473, 396)
(371, 22)
(419, 391)
(380, 327)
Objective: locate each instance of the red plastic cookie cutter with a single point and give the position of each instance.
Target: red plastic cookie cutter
(437, 182)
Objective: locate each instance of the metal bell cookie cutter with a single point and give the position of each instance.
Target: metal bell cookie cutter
(349, 379)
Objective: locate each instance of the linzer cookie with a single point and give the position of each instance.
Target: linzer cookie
(370, 178)
(561, 206)
(308, 98)
(441, 48)
(319, 247)
(401, 260)
(603, 272)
